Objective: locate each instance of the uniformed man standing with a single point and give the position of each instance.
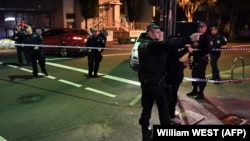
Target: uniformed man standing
(218, 42)
(18, 37)
(97, 45)
(35, 52)
(151, 53)
(200, 61)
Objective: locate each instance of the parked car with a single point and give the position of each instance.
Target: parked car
(70, 38)
(134, 61)
(183, 29)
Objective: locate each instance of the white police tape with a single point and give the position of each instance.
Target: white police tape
(11, 44)
(238, 80)
(232, 48)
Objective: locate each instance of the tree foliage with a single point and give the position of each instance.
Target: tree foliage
(190, 6)
(133, 6)
(89, 9)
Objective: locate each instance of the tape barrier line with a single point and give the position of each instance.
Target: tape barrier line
(58, 46)
(10, 44)
(217, 81)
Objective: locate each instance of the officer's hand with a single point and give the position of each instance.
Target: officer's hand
(195, 37)
(99, 49)
(195, 44)
(36, 48)
(190, 49)
(89, 50)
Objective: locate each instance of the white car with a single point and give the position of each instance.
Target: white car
(134, 60)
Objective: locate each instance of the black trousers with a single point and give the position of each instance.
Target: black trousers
(199, 72)
(37, 55)
(94, 59)
(173, 91)
(154, 93)
(20, 52)
(214, 65)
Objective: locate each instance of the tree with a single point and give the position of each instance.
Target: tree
(89, 9)
(190, 6)
(233, 9)
(133, 6)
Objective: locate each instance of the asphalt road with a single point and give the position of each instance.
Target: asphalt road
(67, 106)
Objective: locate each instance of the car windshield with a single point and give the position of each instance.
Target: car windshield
(141, 37)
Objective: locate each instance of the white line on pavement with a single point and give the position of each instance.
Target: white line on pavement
(54, 59)
(107, 55)
(85, 71)
(13, 66)
(100, 92)
(27, 70)
(70, 83)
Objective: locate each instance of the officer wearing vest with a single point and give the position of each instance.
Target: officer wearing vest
(218, 42)
(18, 37)
(151, 53)
(95, 53)
(35, 52)
(200, 61)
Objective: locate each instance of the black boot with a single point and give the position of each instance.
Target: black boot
(193, 92)
(146, 134)
(199, 96)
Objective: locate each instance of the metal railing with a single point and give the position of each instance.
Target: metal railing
(233, 66)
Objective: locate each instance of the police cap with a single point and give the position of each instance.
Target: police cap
(203, 24)
(152, 26)
(213, 27)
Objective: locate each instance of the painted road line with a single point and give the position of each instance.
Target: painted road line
(100, 92)
(135, 100)
(122, 80)
(86, 71)
(13, 66)
(27, 70)
(66, 67)
(107, 55)
(55, 59)
(70, 83)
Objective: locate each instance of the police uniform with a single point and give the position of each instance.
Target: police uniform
(199, 64)
(151, 75)
(18, 37)
(218, 42)
(174, 76)
(35, 52)
(95, 53)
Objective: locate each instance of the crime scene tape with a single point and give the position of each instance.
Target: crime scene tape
(217, 81)
(8, 44)
(228, 48)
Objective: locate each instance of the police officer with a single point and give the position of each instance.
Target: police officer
(200, 61)
(104, 34)
(174, 76)
(95, 53)
(35, 52)
(18, 37)
(218, 42)
(151, 53)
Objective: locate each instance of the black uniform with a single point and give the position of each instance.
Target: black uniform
(151, 75)
(199, 64)
(36, 53)
(18, 37)
(103, 33)
(95, 55)
(218, 41)
(174, 76)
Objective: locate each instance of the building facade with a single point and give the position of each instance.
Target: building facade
(45, 14)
